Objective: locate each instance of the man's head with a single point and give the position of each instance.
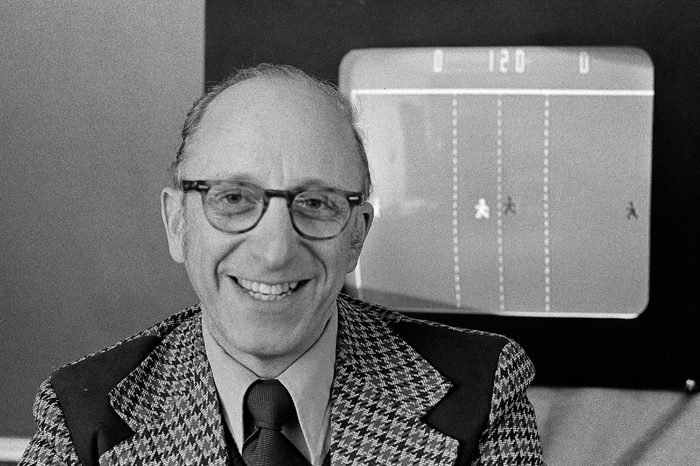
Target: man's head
(267, 71)
(267, 292)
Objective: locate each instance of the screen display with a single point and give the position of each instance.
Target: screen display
(507, 180)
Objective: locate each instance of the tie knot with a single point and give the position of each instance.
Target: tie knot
(269, 404)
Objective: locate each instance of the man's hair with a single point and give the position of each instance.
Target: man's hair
(271, 72)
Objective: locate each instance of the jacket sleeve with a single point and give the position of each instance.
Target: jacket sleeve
(511, 437)
(51, 444)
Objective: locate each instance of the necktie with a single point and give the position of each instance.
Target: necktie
(270, 407)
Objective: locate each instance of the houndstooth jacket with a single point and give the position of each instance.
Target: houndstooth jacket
(405, 392)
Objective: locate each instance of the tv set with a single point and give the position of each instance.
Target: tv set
(507, 180)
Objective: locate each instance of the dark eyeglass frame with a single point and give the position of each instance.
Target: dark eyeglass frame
(203, 186)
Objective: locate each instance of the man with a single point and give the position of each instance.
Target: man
(269, 213)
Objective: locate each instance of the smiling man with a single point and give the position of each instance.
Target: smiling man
(268, 213)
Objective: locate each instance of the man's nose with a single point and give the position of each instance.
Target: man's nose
(273, 239)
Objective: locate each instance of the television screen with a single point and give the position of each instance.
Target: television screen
(507, 180)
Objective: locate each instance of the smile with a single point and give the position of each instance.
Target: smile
(267, 291)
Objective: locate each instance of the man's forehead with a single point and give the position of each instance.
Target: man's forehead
(266, 123)
(258, 95)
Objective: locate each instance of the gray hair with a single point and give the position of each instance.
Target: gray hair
(270, 71)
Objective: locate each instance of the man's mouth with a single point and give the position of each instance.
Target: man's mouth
(267, 291)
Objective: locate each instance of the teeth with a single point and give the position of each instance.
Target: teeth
(279, 289)
(266, 291)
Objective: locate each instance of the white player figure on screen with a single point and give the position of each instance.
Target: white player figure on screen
(482, 209)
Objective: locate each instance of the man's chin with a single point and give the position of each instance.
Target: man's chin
(268, 356)
(262, 334)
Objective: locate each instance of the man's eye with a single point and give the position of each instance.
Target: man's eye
(313, 203)
(319, 206)
(234, 200)
(233, 196)
(316, 203)
(230, 198)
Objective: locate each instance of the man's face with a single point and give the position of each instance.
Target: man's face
(278, 135)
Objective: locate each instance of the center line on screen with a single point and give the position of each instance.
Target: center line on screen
(455, 202)
(545, 207)
(499, 203)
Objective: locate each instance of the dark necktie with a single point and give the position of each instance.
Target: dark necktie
(270, 407)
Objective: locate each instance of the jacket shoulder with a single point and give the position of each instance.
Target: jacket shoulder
(83, 387)
(486, 371)
(454, 351)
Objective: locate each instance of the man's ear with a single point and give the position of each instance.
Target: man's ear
(363, 222)
(172, 210)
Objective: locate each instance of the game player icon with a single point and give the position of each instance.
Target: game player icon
(482, 209)
(510, 206)
(631, 211)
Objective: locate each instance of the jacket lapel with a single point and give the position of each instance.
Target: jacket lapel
(170, 403)
(382, 389)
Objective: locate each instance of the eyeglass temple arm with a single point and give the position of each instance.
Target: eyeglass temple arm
(189, 185)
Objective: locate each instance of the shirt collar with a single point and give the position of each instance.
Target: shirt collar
(308, 380)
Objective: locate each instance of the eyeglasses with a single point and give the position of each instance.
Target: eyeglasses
(237, 207)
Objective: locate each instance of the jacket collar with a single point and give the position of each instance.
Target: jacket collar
(381, 390)
(170, 403)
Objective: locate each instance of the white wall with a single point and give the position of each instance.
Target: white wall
(92, 97)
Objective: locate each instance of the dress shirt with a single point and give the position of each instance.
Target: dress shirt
(308, 380)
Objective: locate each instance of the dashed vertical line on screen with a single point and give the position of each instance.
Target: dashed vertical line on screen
(545, 208)
(455, 202)
(499, 203)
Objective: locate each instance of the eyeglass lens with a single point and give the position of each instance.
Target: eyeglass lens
(314, 213)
